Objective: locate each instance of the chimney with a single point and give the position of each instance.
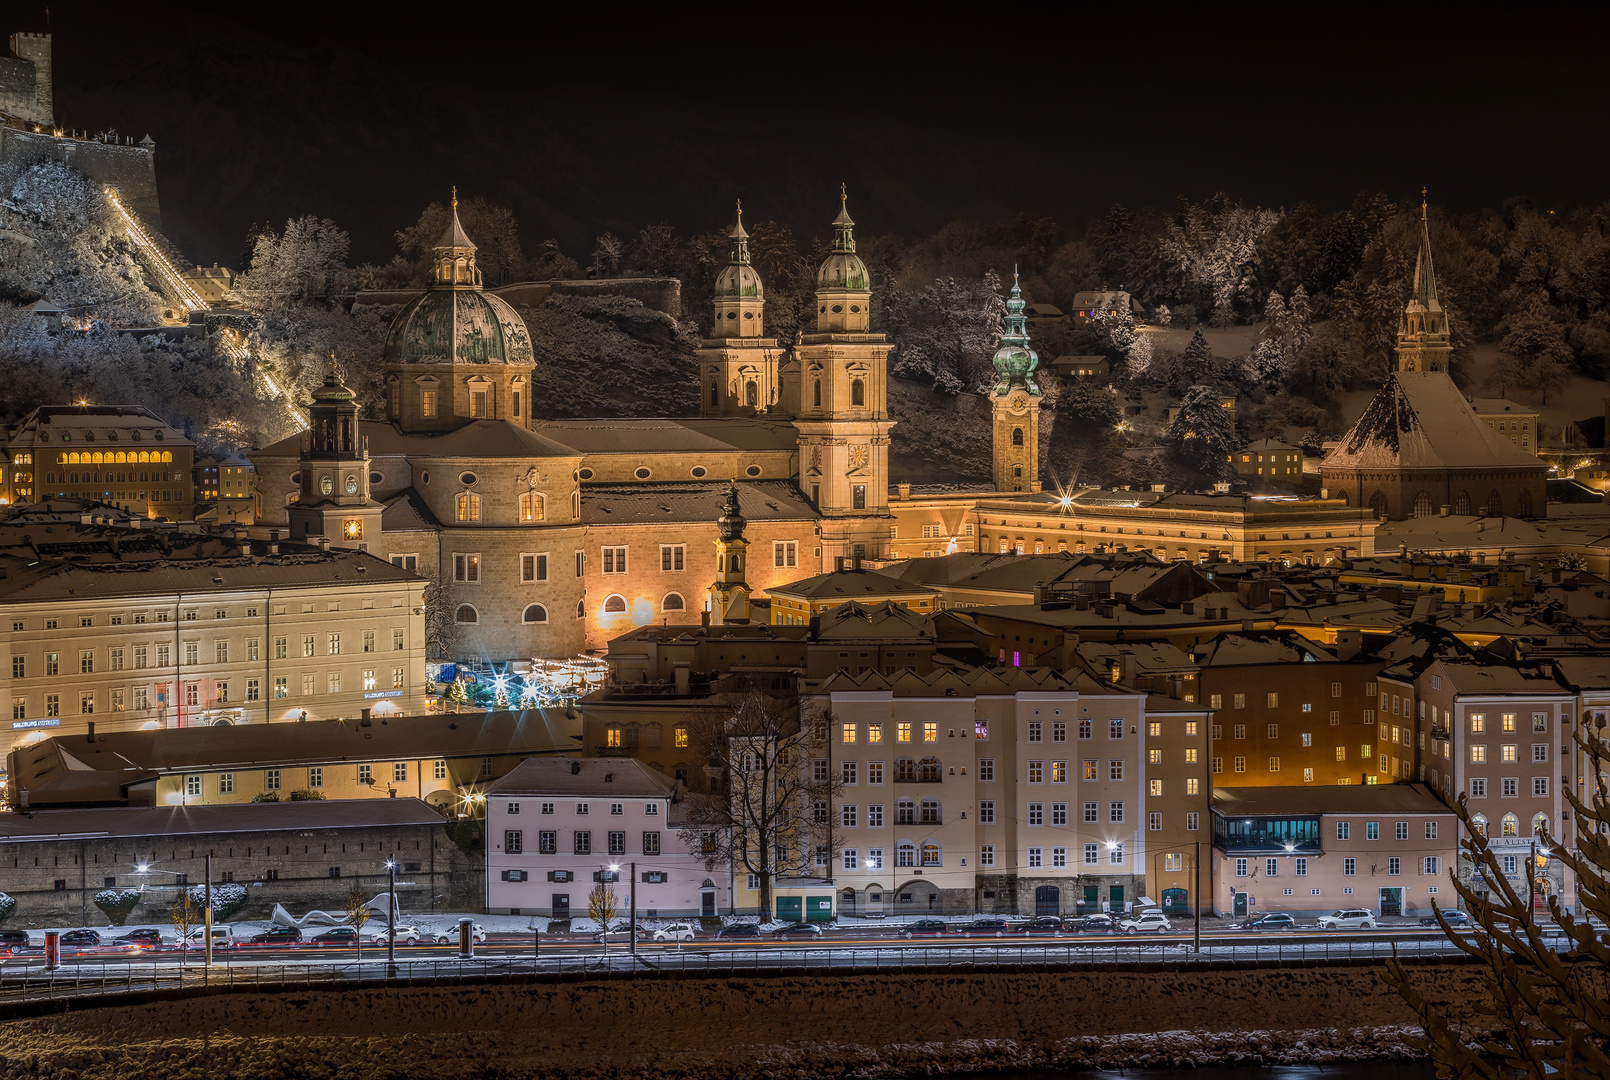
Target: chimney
(855, 563)
(365, 715)
(1277, 599)
(704, 618)
(1348, 644)
(838, 564)
(575, 768)
(905, 489)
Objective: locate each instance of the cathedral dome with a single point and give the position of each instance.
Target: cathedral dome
(843, 270)
(458, 325)
(739, 280)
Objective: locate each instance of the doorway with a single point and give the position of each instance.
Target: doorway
(1391, 902)
(1238, 905)
(1115, 895)
(707, 903)
(1176, 902)
(1088, 902)
(561, 905)
(1047, 900)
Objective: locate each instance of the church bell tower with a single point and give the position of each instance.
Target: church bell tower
(334, 501)
(737, 364)
(1015, 400)
(729, 593)
(1423, 341)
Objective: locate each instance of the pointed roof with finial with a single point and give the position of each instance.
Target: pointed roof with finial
(454, 238)
(843, 268)
(1423, 296)
(333, 391)
(731, 522)
(1014, 361)
(738, 279)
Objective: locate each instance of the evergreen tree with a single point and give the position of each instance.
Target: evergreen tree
(1196, 363)
(1202, 436)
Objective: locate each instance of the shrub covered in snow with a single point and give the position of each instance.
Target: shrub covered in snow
(8, 904)
(227, 899)
(116, 904)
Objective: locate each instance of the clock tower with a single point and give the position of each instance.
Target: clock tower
(334, 501)
(1015, 403)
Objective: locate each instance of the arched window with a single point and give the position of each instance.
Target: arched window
(167, 455)
(673, 602)
(469, 506)
(857, 392)
(581, 609)
(1479, 823)
(905, 770)
(1495, 504)
(1540, 825)
(612, 735)
(1510, 826)
(466, 614)
(1461, 504)
(928, 770)
(715, 394)
(930, 853)
(534, 614)
(1422, 505)
(816, 397)
(905, 812)
(751, 394)
(1017, 436)
(531, 506)
(1378, 504)
(930, 812)
(615, 604)
(1523, 504)
(905, 853)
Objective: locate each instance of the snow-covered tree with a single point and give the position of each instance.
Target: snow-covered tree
(607, 254)
(947, 333)
(300, 265)
(8, 904)
(227, 898)
(1533, 351)
(1213, 247)
(1202, 437)
(116, 904)
(493, 229)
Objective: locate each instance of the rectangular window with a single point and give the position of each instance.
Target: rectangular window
(1241, 731)
(315, 777)
(1431, 865)
(1036, 813)
(467, 568)
(513, 841)
(334, 644)
(397, 641)
(1115, 769)
(1240, 764)
(1034, 731)
(1086, 729)
(547, 842)
(1272, 700)
(1154, 821)
(1271, 868)
(1092, 812)
(1059, 772)
(1036, 772)
(1154, 788)
(858, 497)
(848, 771)
(226, 783)
(1274, 764)
(86, 661)
(1193, 786)
(281, 686)
(1478, 788)
(1036, 857)
(874, 772)
(1059, 731)
(1089, 768)
(192, 785)
(1115, 811)
(1394, 866)
(1115, 854)
(930, 732)
(1192, 821)
(1059, 813)
(253, 689)
(583, 842)
(617, 843)
(1540, 751)
(1092, 854)
(1372, 830)
(671, 557)
(1349, 867)
(366, 774)
(1540, 787)
(874, 815)
(1344, 830)
(1510, 787)
(849, 815)
(271, 779)
(785, 553)
(1302, 867)
(986, 812)
(986, 855)
(1478, 753)
(1115, 728)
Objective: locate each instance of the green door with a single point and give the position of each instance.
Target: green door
(818, 909)
(788, 909)
(1090, 898)
(1115, 894)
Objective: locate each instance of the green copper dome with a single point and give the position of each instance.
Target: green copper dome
(738, 279)
(843, 268)
(1014, 361)
(458, 325)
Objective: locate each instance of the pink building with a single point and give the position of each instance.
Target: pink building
(557, 827)
(1308, 850)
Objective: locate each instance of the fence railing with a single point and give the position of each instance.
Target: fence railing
(31, 981)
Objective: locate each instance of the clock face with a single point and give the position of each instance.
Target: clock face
(327, 485)
(352, 485)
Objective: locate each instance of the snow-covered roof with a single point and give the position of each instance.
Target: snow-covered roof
(1420, 420)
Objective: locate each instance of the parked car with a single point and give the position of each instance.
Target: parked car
(1273, 920)
(222, 937)
(80, 939)
(337, 936)
(13, 941)
(924, 928)
(621, 931)
(1349, 919)
(986, 928)
(739, 930)
(1457, 920)
(1043, 925)
(277, 935)
(405, 935)
(675, 932)
(798, 930)
(450, 937)
(140, 939)
(1094, 924)
(1147, 922)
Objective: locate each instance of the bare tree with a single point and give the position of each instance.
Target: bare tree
(602, 906)
(1549, 1007)
(358, 913)
(768, 806)
(186, 915)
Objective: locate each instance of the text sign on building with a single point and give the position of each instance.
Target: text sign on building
(18, 725)
(382, 693)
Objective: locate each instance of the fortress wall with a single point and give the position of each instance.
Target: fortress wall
(130, 169)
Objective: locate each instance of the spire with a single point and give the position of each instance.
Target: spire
(1017, 323)
(740, 239)
(455, 254)
(843, 226)
(731, 522)
(1425, 280)
(1014, 361)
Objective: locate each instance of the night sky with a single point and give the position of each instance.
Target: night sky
(586, 117)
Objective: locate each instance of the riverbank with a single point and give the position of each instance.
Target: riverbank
(703, 1028)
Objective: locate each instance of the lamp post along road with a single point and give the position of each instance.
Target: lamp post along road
(1198, 889)
(391, 918)
(207, 915)
(633, 924)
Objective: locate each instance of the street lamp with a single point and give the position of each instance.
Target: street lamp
(391, 918)
(143, 869)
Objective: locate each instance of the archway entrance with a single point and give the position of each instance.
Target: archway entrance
(1176, 902)
(1047, 900)
(915, 897)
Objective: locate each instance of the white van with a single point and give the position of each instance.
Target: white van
(223, 937)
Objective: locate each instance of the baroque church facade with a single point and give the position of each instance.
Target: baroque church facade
(549, 537)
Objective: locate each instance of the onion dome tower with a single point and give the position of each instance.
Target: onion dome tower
(737, 364)
(457, 353)
(729, 594)
(1015, 399)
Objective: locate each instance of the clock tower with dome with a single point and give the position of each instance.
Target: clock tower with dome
(333, 501)
(1015, 398)
(737, 363)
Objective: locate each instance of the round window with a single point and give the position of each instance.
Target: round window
(749, 314)
(642, 474)
(327, 485)
(698, 471)
(424, 477)
(468, 479)
(855, 307)
(352, 485)
(732, 314)
(586, 474)
(824, 309)
(296, 478)
(376, 478)
(753, 470)
(837, 309)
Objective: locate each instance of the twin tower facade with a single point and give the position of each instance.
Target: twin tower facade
(835, 388)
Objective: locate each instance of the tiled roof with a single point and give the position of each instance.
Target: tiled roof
(1420, 420)
(1341, 799)
(626, 778)
(609, 436)
(760, 500)
(842, 585)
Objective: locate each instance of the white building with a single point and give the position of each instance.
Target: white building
(556, 828)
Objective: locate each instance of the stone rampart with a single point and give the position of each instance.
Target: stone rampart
(129, 169)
